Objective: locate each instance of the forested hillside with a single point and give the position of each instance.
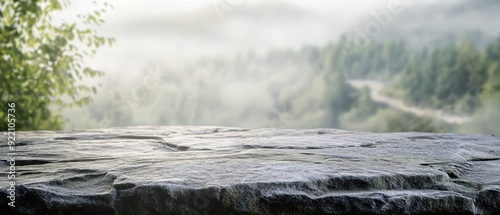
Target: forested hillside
(433, 56)
(443, 23)
(308, 88)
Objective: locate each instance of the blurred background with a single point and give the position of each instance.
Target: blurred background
(379, 66)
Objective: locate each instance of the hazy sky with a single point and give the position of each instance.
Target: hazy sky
(132, 9)
(314, 30)
(145, 30)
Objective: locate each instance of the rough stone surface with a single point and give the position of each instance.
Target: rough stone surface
(215, 170)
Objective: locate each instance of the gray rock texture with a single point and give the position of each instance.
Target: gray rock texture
(217, 170)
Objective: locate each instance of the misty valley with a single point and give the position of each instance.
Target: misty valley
(454, 74)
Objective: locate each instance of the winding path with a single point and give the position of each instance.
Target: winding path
(376, 95)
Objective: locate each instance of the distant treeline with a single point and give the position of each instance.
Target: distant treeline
(308, 88)
(446, 78)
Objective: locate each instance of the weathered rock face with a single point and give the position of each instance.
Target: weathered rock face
(209, 170)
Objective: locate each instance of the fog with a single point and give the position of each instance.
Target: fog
(240, 63)
(170, 31)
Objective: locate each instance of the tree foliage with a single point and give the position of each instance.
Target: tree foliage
(41, 62)
(449, 78)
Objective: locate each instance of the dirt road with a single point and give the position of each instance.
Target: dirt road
(376, 95)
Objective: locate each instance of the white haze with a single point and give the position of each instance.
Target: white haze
(175, 34)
